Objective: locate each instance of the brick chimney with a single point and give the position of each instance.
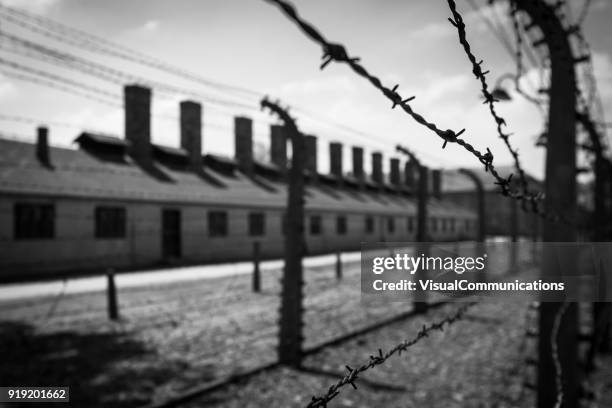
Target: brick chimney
(394, 173)
(191, 132)
(358, 163)
(137, 101)
(42, 146)
(377, 174)
(436, 183)
(335, 159)
(278, 146)
(310, 147)
(410, 168)
(243, 142)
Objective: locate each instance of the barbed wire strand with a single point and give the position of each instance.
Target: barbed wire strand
(555, 354)
(353, 373)
(337, 52)
(457, 22)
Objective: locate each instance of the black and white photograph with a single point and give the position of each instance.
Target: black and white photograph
(306, 203)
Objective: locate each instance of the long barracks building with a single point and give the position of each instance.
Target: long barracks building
(125, 203)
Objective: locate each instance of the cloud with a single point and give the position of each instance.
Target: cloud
(7, 88)
(151, 25)
(474, 20)
(37, 6)
(334, 84)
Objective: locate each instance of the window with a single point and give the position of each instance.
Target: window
(217, 223)
(257, 224)
(341, 225)
(369, 224)
(34, 221)
(443, 224)
(390, 225)
(410, 224)
(433, 224)
(452, 225)
(110, 222)
(315, 225)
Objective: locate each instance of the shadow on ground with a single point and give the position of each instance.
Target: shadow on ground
(109, 369)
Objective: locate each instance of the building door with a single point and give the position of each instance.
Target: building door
(171, 234)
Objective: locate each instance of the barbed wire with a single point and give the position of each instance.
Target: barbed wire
(337, 52)
(555, 354)
(353, 373)
(457, 22)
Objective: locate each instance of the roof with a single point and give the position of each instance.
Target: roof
(80, 174)
(455, 181)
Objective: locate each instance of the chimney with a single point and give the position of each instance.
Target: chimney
(358, 163)
(409, 176)
(436, 183)
(377, 175)
(243, 142)
(394, 173)
(42, 146)
(278, 146)
(310, 146)
(191, 132)
(335, 159)
(137, 101)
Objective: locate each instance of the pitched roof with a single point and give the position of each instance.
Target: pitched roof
(80, 174)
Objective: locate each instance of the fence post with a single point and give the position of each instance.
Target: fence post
(338, 266)
(560, 194)
(420, 297)
(482, 220)
(111, 294)
(256, 272)
(514, 233)
(291, 312)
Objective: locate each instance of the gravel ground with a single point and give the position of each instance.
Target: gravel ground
(174, 337)
(473, 363)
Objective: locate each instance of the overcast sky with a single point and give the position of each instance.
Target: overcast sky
(249, 43)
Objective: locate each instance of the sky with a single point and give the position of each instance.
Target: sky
(251, 44)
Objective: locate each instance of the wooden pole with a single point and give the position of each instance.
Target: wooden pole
(338, 266)
(256, 272)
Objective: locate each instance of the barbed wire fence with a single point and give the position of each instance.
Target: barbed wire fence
(337, 52)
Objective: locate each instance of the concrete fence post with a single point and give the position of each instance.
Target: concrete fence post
(111, 294)
(256, 271)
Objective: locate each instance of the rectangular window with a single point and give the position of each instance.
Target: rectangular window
(390, 225)
(217, 223)
(369, 224)
(341, 225)
(34, 221)
(443, 224)
(452, 225)
(410, 224)
(257, 224)
(434, 224)
(316, 226)
(110, 222)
